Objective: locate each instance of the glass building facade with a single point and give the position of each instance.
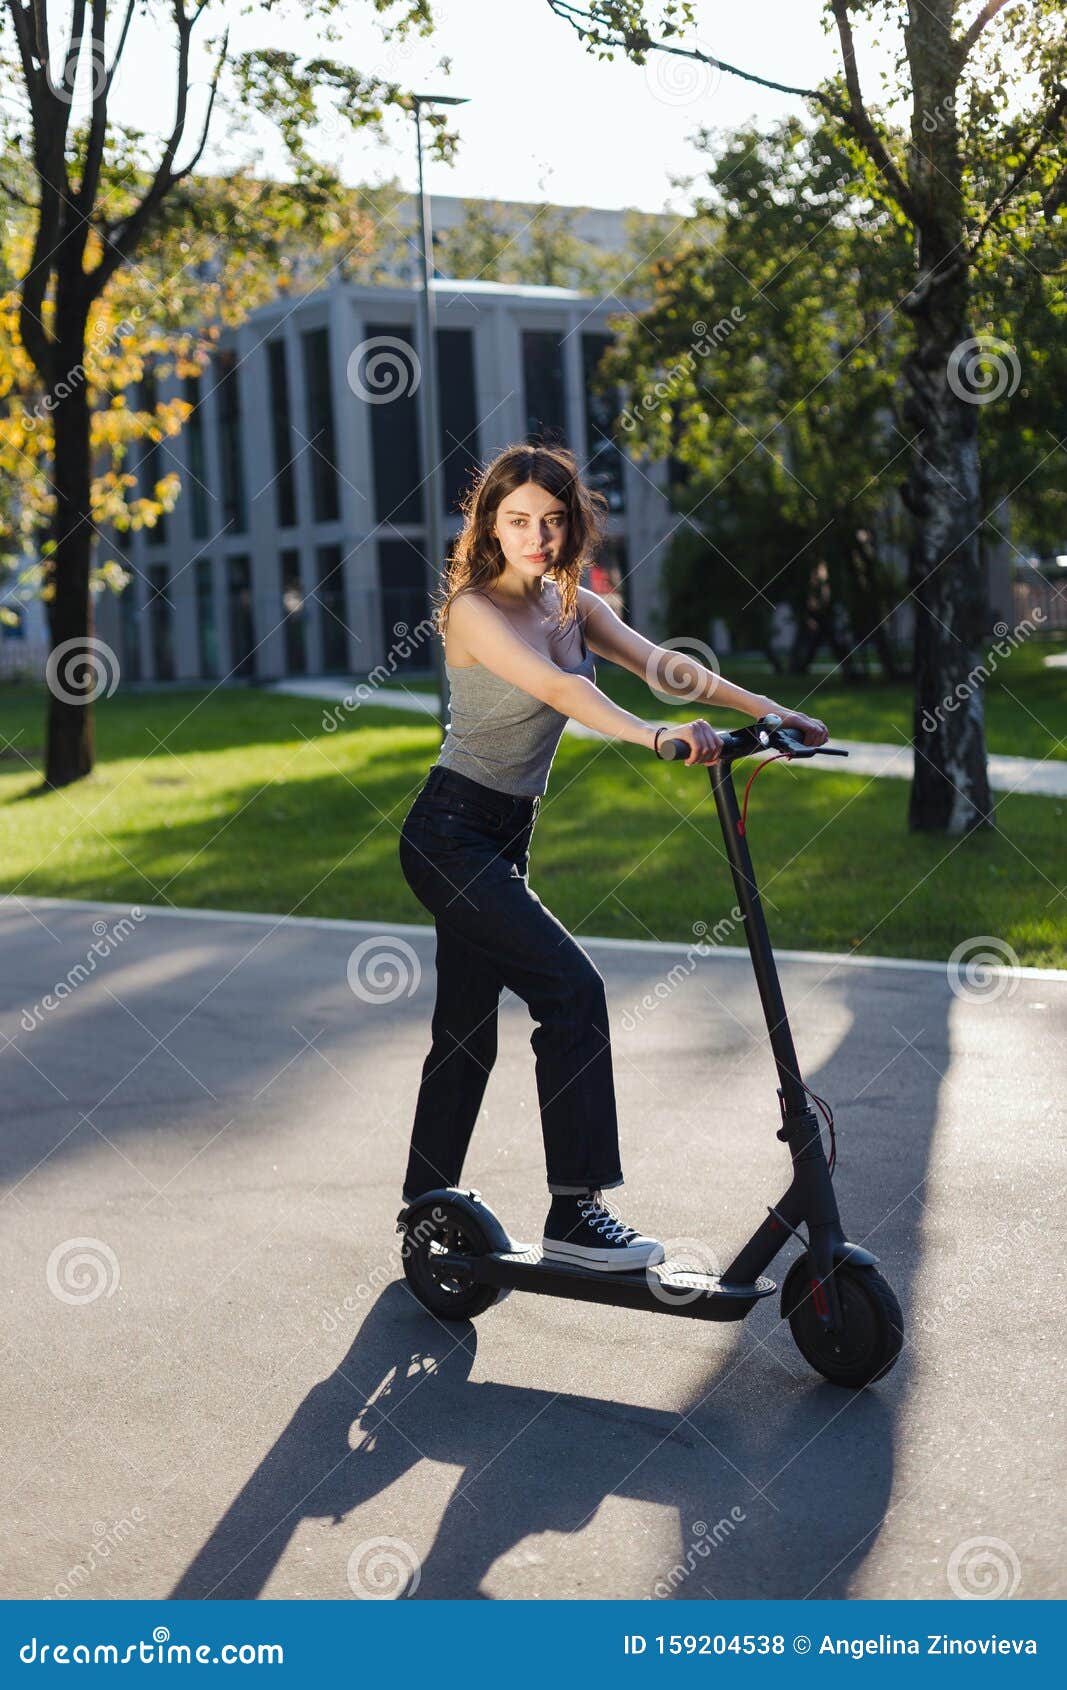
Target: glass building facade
(298, 544)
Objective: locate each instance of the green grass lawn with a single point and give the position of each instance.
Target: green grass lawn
(240, 800)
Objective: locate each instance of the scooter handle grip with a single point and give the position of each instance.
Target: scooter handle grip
(671, 750)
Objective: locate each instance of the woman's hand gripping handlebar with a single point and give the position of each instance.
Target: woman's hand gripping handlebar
(767, 734)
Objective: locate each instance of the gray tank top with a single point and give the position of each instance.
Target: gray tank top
(499, 735)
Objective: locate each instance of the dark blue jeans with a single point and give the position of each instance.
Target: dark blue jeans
(465, 852)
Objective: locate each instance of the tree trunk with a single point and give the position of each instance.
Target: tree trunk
(950, 787)
(75, 664)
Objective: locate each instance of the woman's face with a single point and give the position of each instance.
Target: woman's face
(531, 526)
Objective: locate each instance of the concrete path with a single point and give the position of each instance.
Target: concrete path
(216, 1382)
(1034, 776)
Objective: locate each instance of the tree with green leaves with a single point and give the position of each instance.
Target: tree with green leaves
(985, 162)
(97, 196)
(765, 368)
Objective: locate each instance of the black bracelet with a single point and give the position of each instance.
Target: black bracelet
(655, 742)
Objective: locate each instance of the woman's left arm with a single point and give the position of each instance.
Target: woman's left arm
(677, 672)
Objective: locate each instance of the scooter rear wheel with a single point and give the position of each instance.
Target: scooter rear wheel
(431, 1232)
(873, 1333)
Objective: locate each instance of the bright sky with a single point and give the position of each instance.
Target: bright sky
(545, 120)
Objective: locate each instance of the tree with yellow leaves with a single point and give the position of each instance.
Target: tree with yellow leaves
(117, 268)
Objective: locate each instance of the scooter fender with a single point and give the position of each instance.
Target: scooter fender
(854, 1254)
(469, 1202)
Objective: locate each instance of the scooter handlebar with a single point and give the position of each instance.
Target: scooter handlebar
(765, 735)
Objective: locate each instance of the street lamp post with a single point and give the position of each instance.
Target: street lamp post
(429, 409)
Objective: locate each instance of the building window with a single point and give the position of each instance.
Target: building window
(160, 622)
(150, 469)
(330, 593)
(282, 432)
(207, 638)
(542, 378)
(196, 458)
(321, 447)
(394, 434)
(459, 412)
(603, 458)
(402, 582)
(231, 452)
(294, 616)
(242, 626)
(130, 621)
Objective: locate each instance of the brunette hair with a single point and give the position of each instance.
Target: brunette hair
(477, 559)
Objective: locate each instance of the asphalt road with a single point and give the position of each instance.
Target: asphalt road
(216, 1383)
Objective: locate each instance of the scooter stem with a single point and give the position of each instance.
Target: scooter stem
(810, 1196)
(759, 943)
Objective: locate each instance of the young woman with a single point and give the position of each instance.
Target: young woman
(520, 637)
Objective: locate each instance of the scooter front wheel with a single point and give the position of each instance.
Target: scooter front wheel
(432, 1232)
(873, 1328)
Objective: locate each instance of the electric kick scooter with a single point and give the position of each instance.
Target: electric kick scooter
(843, 1315)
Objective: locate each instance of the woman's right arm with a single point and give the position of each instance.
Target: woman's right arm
(486, 635)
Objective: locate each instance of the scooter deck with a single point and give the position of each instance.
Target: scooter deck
(698, 1296)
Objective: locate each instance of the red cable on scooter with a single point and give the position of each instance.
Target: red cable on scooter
(778, 755)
